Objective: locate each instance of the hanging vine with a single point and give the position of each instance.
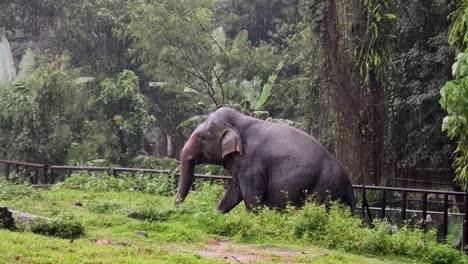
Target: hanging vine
(374, 49)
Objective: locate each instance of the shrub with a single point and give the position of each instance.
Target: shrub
(313, 224)
(160, 184)
(376, 239)
(64, 227)
(10, 191)
(309, 223)
(86, 181)
(343, 230)
(156, 214)
(205, 198)
(149, 162)
(443, 254)
(334, 228)
(104, 206)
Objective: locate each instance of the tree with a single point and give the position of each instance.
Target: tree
(420, 67)
(84, 29)
(352, 50)
(39, 113)
(264, 21)
(121, 103)
(454, 99)
(198, 57)
(454, 95)
(191, 56)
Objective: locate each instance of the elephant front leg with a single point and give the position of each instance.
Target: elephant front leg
(231, 198)
(253, 188)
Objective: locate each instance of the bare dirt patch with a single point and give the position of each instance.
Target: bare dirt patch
(242, 253)
(109, 242)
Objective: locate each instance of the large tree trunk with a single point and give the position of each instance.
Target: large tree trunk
(169, 146)
(359, 114)
(340, 84)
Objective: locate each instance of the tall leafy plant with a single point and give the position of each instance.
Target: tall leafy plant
(122, 102)
(454, 94)
(458, 32)
(255, 93)
(38, 113)
(454, 99)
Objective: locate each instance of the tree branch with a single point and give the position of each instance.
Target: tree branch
(211, 37)
(220, 83)
(206, 83)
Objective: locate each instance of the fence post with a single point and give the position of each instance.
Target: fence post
(363, 198)
(51, 176)
(403, 206)
(384, 204)
(36, 175)
(465, 224)
(445, 223)
(424, 212)
(46, 178)
(7, 172)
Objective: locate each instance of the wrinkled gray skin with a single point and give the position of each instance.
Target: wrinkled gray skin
(271, 164)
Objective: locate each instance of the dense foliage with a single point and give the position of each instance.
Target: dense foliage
(116, 79)
(455, 93)
(160, 184)
(9, 191)
(114, 82)
(421, 67)
(119, 213)
(59, 227)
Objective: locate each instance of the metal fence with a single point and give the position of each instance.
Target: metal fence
(397, 204)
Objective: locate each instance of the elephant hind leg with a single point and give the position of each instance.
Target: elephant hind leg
(254, 201)
(333, 192)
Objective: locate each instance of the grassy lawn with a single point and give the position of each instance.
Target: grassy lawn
(173, 235)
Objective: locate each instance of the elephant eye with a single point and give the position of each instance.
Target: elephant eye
(201, 139)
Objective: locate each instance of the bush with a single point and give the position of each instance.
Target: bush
(156, 214)
(149, 162)
(160, 184)
(343, 231)
(313, 224)
(93, 182)
(61, 227)
(444, 254)
(104, 206)
(334, 228)
(10, 191)
(309, 223)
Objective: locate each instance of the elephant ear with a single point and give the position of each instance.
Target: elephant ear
(230, 141)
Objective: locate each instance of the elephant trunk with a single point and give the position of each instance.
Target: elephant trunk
(187, 169)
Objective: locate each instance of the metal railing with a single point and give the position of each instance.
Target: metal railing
(364, 210)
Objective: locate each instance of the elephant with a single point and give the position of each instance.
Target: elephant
(271, 164)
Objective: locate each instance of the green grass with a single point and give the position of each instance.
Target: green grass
(178, 234)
